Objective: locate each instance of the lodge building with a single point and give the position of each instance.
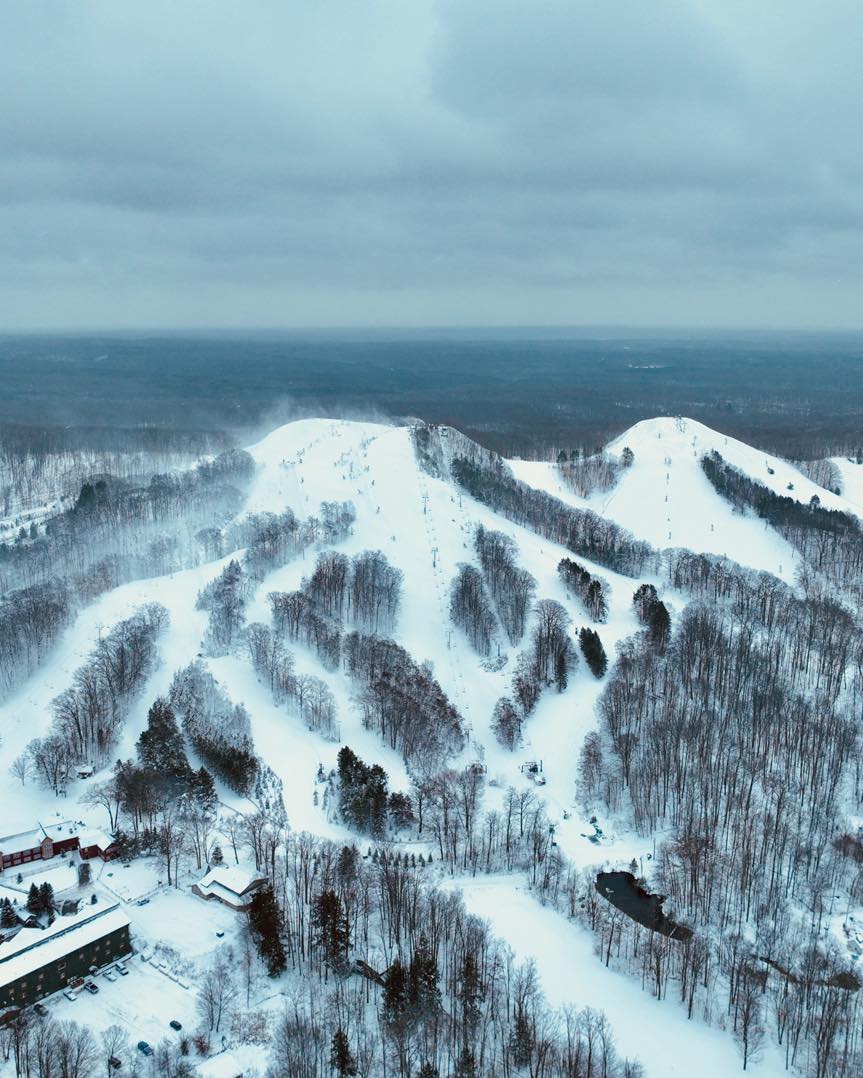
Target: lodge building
(39, 961)
(52, 839)
(39, 844)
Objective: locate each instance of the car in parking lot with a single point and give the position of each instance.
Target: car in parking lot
(114, 1063)
(121, 969)
(109, 976)
(69, 994)
(144, 1048)
(91, 988)
(174, 1024)
(41, 1010)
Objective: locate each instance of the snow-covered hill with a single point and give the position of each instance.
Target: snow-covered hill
(665, 498)
(425, 526)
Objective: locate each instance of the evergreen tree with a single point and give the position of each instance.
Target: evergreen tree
(332, 933)
(204, 789)
(593, 651)
(659, 625)
(560, 676)
(34, 900)
(396, 995)
(341, 1059)
(470, 993)
(428, 1070)
(265, 924)
(521, 1039)
(423, 991)
(162, 751)
(8, 917)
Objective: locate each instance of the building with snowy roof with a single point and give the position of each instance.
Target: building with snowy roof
(39, 961)
(232, 887)
(41, 843)
(96, 844)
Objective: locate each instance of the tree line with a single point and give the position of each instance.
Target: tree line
(579, 530)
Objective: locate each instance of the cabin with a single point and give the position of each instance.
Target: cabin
(233, 887)
(43, 842)
(40, 961)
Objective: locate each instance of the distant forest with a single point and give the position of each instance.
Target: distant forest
(519, 392)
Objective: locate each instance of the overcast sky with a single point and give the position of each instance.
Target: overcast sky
(431, 162)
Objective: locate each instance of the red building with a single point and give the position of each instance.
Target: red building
(96, 844)
(41, 844)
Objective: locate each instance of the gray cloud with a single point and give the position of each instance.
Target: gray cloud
(461, 161)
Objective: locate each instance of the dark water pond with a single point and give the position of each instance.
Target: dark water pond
(622, 890)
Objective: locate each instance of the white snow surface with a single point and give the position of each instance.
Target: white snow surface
(657, 1033)
(666, 499)
(425, 527)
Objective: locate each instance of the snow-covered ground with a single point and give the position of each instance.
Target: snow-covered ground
(657, 1033)
(425, 527)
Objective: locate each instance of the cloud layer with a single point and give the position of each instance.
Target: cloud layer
(666, 162)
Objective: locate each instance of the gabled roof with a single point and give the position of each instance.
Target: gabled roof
(94, 838)
(233, 883)
(55, 828)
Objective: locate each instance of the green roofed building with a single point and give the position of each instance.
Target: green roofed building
(39, 961)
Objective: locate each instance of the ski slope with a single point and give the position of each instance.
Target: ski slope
(425, 527)
(666, 499)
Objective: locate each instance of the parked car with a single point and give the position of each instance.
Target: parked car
(114, 1063)
(121, 969)
(91, 988)
(109, 976)
(174, 1024)
(69, 994)
(144, 1048)
(41, 1010)
(143, 902)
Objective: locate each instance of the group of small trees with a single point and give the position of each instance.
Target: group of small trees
(579, 530)
(44, 1047)
(89, 715)
(548, 661)
(364, 590)
(118, 530)
(830, 540)
(224, 598)
(307, 694)
(591, 473)
(364, 801)
(511, 587)
(590, 590)
(739, 732)
(471, 610)
(31, 619)
(219, 731)
(451, 1002)
(653, 614)
(402, 701)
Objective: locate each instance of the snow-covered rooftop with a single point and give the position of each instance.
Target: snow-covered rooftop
(33, 948)
(54, 828)
(227, 882)
(94, 838)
